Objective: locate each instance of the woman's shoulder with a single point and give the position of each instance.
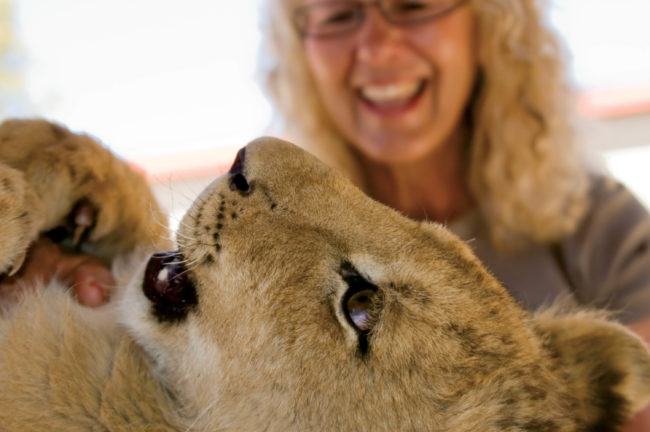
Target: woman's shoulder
(613, 209)
(604, 185)
(608, 255)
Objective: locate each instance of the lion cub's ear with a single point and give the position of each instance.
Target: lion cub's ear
(607, 366)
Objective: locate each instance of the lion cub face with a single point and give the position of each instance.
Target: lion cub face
(295, 301)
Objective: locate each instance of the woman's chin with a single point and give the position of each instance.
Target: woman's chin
(396, 151)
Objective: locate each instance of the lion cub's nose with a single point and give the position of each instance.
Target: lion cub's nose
(237, 180)
(167, 286)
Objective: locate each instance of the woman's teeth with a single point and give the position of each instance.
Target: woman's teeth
(391, 93)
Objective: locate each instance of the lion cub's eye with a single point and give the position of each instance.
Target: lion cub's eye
(358, 309)
(358, 300)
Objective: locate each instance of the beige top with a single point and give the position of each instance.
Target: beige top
(605, 263)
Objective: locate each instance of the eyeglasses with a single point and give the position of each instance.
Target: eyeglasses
(337, 17)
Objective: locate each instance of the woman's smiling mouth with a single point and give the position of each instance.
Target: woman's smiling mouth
(391, 98)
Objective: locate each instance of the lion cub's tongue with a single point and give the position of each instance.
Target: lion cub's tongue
(167, 286)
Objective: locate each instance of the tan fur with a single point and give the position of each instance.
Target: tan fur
(268, 346)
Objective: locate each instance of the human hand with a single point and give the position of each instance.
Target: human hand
(87, 276)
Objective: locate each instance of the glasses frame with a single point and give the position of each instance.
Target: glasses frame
(300, 16)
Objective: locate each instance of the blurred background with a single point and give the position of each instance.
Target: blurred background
(170, 85)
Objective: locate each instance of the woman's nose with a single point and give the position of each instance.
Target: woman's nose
(376, 36)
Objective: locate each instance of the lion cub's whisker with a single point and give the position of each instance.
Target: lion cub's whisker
(201, 415)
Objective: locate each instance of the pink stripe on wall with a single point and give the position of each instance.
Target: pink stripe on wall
(188, 165)
(615, 102)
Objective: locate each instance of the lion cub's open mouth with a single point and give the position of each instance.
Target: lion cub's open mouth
(167, 286)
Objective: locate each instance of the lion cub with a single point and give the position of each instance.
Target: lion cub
(293, 302)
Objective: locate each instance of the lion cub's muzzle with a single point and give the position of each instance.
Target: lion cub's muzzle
(168, 288)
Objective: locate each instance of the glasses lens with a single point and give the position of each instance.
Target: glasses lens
(328, 18)
(412, 11)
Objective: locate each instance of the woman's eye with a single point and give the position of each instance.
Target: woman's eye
(417, 9)
(413, 5)
(358, 309)
(338, 15)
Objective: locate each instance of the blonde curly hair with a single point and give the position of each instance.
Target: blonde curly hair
(525, 170)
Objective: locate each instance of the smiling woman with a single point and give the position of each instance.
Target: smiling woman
(367, 91)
